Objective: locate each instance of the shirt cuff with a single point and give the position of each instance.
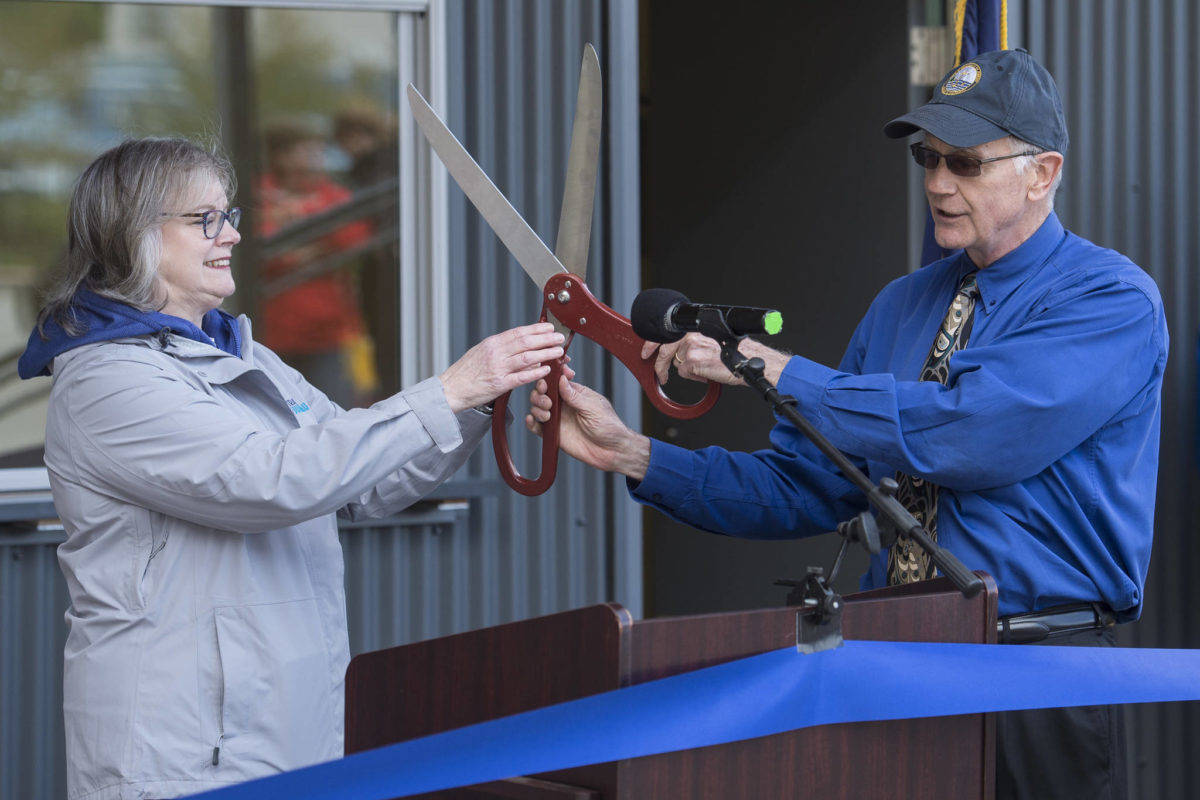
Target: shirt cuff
(806, 381)
(428, 401)
(473, 424)
(667, 483)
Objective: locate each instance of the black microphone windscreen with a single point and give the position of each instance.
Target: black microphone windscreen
(650, 315)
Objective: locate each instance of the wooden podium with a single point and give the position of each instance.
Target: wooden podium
(423, 688)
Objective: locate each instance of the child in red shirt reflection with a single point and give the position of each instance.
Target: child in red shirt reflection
(314, 325)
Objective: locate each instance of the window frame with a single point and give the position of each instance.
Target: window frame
(423, 205)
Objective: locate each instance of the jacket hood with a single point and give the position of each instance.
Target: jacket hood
(103, 320)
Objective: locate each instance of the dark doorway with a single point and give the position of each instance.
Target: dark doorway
(766, 181)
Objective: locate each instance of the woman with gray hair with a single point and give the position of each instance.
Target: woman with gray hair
(198, 478)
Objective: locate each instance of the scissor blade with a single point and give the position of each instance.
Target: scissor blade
(575, 219)
(530, 251)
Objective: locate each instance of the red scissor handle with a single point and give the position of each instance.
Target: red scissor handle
(568, 298)
(570, 301)
(508, 470)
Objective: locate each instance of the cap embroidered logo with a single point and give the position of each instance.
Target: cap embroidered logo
(962, 79)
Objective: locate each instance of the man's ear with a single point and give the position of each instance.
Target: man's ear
(1046, 168)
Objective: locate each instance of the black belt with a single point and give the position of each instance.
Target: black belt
(1038, 625)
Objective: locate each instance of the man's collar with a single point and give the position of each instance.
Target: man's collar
(1000, 278)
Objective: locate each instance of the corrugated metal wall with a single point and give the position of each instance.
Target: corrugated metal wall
(444, 566)
(513, 73)
(33, 599)
(1130, 79)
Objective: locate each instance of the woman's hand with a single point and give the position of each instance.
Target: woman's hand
(500, 364)
(589, 429)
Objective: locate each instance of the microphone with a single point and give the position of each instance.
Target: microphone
(665, 315)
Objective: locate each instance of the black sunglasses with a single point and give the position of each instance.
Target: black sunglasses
(214, 220)
(961, 165)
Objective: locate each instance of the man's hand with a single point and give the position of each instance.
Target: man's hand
(590, 430)
(698, 358)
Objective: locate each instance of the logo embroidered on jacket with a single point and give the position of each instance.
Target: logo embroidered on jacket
(297, 408)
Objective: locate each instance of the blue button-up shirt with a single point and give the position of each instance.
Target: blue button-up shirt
(1044, 438)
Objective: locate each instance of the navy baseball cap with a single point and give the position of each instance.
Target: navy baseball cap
(989, 97)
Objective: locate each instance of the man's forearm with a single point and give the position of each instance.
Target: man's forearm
(775, 360)
(632, 459)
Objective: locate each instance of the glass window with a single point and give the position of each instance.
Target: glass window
(304, 101)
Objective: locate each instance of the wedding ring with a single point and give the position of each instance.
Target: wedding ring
(678, 360)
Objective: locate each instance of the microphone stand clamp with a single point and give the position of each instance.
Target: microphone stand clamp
(819, 616)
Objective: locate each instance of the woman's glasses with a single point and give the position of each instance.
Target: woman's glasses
(961, 165)
(214, 220)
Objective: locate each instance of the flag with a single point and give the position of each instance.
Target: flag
(980, 26)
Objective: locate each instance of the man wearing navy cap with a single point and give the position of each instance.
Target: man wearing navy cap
(1011, 388)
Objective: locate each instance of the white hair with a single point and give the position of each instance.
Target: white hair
(1028, 163)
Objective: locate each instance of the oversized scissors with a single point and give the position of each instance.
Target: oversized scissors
(566, 301)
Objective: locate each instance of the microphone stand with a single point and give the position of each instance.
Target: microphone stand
(818, 624)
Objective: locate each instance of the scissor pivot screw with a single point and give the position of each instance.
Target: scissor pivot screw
(583, 320)
(564, 296)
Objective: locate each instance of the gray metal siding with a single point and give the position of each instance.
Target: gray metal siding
(1130, 80)
(33, 599)
(513, 68)
(396, 574)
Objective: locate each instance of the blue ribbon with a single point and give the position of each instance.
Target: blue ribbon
(758, 696)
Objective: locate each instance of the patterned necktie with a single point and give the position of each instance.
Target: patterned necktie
(907, 562)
